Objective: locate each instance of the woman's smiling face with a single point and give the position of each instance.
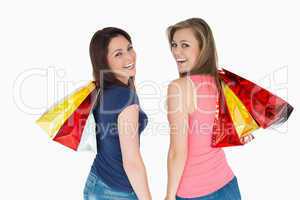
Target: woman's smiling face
(121, 58)
(185, 49)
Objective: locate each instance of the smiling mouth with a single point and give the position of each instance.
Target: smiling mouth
(181, 61)
(130, 66)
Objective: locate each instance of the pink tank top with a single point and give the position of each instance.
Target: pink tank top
(206, 169)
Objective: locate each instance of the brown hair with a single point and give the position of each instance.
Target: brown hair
(103, 76)
(207, 62)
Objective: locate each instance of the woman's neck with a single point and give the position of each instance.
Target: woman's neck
(123, 79)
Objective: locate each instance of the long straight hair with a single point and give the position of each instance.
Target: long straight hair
(207, 61)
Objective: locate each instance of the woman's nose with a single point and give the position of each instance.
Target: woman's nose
(176, 52)
(129, 57)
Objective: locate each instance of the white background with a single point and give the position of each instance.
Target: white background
(256, 39)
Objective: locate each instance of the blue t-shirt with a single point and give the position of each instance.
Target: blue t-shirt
(108, 161)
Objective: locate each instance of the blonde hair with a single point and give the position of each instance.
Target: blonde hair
(207, 61)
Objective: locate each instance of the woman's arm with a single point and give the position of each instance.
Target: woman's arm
(132, 159)
(179, 98)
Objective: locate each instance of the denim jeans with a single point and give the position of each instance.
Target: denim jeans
(96, 189)
(230, 191)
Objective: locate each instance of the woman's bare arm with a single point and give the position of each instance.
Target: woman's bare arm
(179, 98)
(132, 160)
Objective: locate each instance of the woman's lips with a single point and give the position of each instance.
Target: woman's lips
(129, 66)
(181, 60)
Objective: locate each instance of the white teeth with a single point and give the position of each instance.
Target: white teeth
(129, 66)
(180, 60)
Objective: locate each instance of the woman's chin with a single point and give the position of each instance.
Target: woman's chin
(131, 72)
(182, 69)
(128, 72)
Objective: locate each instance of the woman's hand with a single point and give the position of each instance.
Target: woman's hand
(247, 139)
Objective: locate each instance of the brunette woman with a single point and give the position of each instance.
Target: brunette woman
(118, 170)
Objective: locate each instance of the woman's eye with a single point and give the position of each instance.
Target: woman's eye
(130, 48)
(184, 45)
(118, 54)
(173, 45)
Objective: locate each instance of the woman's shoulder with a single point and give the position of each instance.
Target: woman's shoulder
(180, 94)
(180, 85)
(120, 96)
(120, 92)
(114, 99)
(202, 78)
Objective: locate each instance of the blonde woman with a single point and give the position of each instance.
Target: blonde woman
(196, 170)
